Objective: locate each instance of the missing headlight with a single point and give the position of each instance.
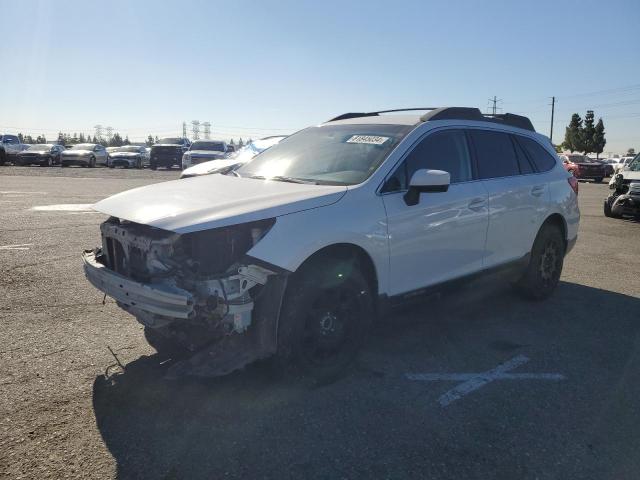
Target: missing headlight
(214, 251)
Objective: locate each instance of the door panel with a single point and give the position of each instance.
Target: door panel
(440, 238)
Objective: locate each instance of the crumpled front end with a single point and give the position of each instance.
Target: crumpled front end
(200, 291)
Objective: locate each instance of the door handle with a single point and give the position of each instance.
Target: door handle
(477, 204)
(537, 190)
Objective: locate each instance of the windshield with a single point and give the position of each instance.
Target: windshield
(83, 146)
(127, 149)
(170, 140)
(331, 154)
(634, 166)
(214, 146)
(39, 148)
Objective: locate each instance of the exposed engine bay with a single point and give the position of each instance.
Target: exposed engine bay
(199, 291)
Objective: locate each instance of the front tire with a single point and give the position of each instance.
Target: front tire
(3, 157)
(598, 180)
(545, 264)
(92, 162)
(47, 163)
(324, 321)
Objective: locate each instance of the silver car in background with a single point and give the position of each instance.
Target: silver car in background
(127, 156)
(85, 155)
(203, 151)
(234, 160)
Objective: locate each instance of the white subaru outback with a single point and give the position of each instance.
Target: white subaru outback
(294, 253)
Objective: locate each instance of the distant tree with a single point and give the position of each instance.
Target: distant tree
(598, 138)
(41, 139)
(21, 138)
(149, 141)
(588, 133)
(157, 139)
(81, 138)
(231, 142)
(573, 135)
(126, 140)
(27, 139)
(240, 143)
(558, 148)
(631, 152)
(61, 138)
(249, 141)
(75, 138)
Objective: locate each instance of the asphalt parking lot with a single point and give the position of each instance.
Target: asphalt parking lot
(558, 397)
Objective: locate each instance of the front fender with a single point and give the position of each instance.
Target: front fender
(295, 237)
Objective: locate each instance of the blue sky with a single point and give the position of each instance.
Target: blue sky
(259, 68)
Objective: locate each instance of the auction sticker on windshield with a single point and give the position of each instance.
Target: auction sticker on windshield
(368, 139)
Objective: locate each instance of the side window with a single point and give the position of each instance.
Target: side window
(542, 159)
(523, 160)
(495, 154)
(446, 151)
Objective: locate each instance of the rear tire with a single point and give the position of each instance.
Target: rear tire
(598, 180)
(545, 264)
(324, 321)
(64, 164)
(153, 167)
(3, 157)
(47, 163)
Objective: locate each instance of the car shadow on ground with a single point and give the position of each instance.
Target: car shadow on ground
(256, 424)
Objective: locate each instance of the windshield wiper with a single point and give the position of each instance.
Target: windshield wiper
(282, 178)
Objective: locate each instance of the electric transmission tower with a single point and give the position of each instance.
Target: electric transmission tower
(109, 133)
(195, 129)
(207, 130)
(99, 131)
(494, 104)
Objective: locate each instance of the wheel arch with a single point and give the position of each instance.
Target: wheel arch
(559, 221)
(344, 252)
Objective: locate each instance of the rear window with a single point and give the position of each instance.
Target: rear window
(542, 159)
(495, 153)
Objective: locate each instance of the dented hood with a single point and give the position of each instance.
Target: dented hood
(212, 201)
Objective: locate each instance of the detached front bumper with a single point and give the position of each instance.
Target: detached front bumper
(161, 300)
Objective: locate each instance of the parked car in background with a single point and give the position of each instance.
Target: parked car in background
(231, 148)
(168, 152)
(624, 200)
(234, 160)
(202, 151)
(10, 147)
(127, 156)
(293, 253)
(608, 168)
(147, 156)
(85, 155)
(583, 167)
(45, 155)
(624, 163)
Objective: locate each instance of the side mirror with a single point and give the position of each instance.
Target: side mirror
(424, 180)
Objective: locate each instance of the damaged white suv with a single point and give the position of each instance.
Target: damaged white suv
(294, 253)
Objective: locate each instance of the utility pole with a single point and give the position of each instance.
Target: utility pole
(207, 130)
(494, 101)
(553, 107)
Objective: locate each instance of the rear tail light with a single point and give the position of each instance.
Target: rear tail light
(573, 182)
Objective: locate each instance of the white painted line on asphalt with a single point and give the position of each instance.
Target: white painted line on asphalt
(473, 381)
(20, 246)
(20, 193)
(65, 207)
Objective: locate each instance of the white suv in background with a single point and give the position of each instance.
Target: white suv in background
(295, 252)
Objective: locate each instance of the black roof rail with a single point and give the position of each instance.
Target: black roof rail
(346, 116)
(452, 113)
(467, 113)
